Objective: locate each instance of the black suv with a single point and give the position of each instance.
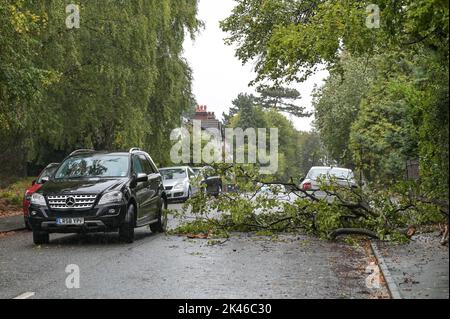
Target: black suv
(100, 192)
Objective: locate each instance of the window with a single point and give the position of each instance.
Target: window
(147, 167)
(137, 166)
(48, 172)
(94, 166)
(173, 173)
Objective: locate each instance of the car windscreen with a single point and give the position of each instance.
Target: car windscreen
(176, 173)
(316, 173)
(341, 174)
(94, 166)
(337, 173)
(46, 173)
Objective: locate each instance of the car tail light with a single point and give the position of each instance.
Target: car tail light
(307, 186)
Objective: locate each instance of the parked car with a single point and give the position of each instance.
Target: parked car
(100, 192)
(179, 182)
(209, 180)
(275, 191)
(44, 176)
(317, 175)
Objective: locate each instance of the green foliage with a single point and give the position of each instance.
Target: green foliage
(433, 133)
(337, 105)
(289, 39)
(22, 82)
(118, 81)
(298, 151)
(396, 115)
(14, 192)
(383, 137)
(386, 100)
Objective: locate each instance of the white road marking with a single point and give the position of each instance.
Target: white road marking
(25, 295)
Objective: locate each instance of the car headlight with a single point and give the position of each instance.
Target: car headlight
(38, 199)
(111, 198)
(179, 186)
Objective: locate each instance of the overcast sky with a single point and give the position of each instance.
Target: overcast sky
(218, 75)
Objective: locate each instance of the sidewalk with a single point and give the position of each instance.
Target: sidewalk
(420, 269)
(13, 223)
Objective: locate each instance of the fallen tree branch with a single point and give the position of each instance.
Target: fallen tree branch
(443, 205)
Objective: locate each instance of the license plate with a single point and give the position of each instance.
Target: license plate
(70, 221)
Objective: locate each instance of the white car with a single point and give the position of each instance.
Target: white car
(278, 191)
(179, 182)
(322, 174)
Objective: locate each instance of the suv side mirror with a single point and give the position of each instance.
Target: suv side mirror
(302, 180)
(45, 180)
(141, 178)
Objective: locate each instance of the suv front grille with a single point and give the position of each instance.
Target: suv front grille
(71, 201)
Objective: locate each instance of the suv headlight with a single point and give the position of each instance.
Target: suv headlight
(178, 186)
(38, 199)
(111, 198)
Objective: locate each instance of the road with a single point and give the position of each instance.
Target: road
(161, 266)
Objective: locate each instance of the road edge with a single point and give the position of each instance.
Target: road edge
(12, 223)
(12, 230)
(394, 291)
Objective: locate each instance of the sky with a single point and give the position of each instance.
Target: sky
(219, 76)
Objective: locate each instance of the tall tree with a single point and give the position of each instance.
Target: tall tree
(119, 80)
(289, 39)
(21, 82)
(408, 52)
(337, 105)
(281, 99)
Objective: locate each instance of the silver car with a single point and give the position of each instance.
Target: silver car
(317, 175)
(179, 182)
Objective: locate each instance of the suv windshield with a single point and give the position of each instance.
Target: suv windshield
(94, 166)
(176, 173)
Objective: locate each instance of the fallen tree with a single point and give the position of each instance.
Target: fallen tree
(264, 205)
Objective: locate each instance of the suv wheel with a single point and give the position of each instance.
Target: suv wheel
(40, 238)
(126, 230)
(161, 225)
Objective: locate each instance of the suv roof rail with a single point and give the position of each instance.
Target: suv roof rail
(81, 151)
(135, 149)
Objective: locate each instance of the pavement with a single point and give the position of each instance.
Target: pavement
(161, 266)
(13, 223)
(419, 269)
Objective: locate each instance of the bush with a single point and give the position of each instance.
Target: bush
(13, 194)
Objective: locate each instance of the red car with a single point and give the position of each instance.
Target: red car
(37, 183)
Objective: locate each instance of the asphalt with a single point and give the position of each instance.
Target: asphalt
(161, 266)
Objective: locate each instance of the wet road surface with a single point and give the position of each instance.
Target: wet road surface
(161, 266)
